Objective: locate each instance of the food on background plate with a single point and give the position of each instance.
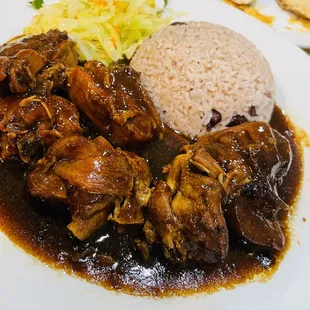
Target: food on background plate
(199, 195)
(253, 10)
(243, 2)
(298, 7)
(203, 77)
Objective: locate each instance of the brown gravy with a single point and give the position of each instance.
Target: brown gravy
(108, 258)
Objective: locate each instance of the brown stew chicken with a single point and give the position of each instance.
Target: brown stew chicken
(92, 182)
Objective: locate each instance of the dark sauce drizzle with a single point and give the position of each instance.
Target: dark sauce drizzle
(109, 257)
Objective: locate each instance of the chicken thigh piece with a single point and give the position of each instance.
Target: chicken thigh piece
(93, 179)
(115, 101)
(185, 215)
(30, 125)
(21, 61)
(232, 173)
(253, 158)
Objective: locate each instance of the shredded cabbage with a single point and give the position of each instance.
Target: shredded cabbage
(104, 30)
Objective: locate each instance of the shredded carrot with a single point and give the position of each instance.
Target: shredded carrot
(99, 2)
(117, 29)
(104, 30)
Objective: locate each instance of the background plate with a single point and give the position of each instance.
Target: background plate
(28, 284)
(285, 23)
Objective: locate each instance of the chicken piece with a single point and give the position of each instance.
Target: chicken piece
(22, 60)
(253, 158)
(90, 212)
(4, 66)
(94, 179)
(163, 221)
(171, 142)
(115, 101)
(186, 213)
(252, 213)
(246, 152)
(52, 45)
(53, 77)
(24, 67)
(31, 124)
(237, 170)
(131, 210)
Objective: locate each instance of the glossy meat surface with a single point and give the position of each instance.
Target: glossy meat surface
(30, 125)
(23, 61)
(98, 182)
(250, 161)
(115, 101)
(228, 176)
(186, 213)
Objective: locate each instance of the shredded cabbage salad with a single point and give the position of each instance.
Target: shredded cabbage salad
(104, 30)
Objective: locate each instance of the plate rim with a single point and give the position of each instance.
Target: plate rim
(93, 296)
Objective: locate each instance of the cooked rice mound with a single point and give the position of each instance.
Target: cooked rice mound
(197, 70)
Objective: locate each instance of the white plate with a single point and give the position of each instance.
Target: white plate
(295, 32)
(28, 284)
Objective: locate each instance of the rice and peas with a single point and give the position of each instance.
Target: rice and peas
(205, 77)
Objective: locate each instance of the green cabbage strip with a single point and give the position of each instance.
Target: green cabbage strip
(104, 30)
